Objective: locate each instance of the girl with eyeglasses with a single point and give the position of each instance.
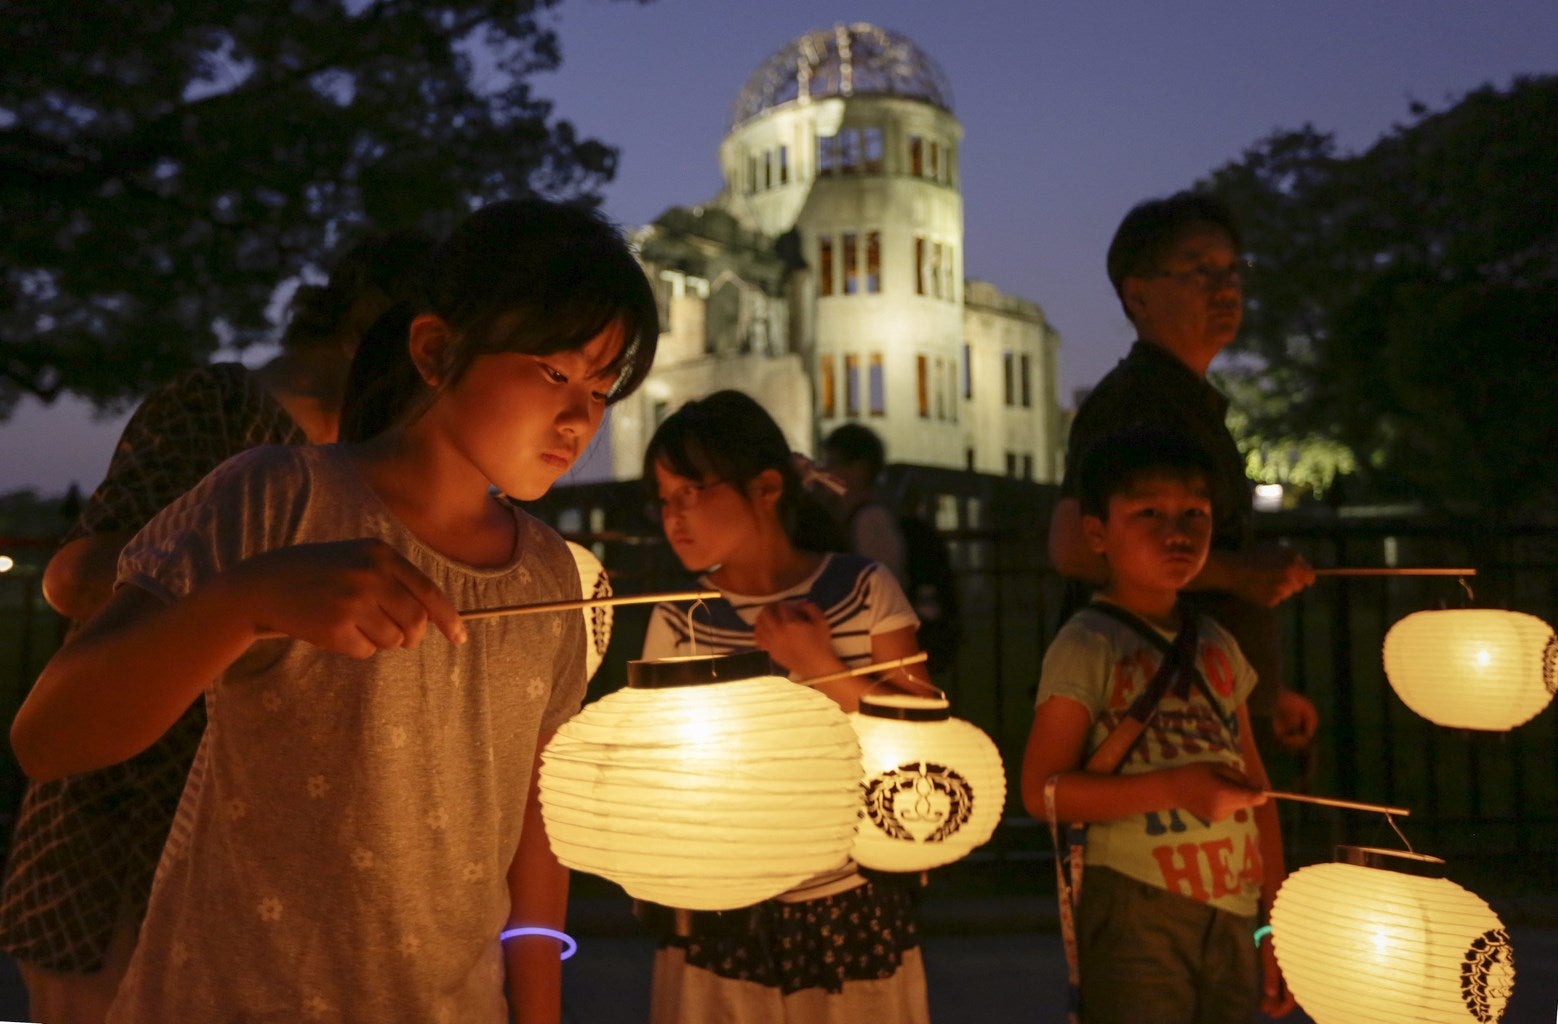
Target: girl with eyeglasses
(839, 948)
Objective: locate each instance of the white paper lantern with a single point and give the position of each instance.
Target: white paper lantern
(707, 783)
(1473, 668)
(934, 785)
(593, 582)
(1382, 938)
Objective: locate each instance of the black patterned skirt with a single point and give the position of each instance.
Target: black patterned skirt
(860, 934)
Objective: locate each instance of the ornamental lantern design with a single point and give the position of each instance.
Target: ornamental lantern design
(707, 783)
(934, 785)
(1473, 668)
(1382, 936)
(593, 583)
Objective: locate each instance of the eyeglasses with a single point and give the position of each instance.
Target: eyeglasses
(1211, 278)
(680, 499)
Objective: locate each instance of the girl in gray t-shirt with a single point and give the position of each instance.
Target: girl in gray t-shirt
(357, 830)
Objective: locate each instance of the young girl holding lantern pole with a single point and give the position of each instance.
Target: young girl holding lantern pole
(359, 826)
(839, 948)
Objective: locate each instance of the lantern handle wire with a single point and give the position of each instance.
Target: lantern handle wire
(1467, 587)
(1391, 821)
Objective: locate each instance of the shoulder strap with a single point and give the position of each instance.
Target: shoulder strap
(1179, 659)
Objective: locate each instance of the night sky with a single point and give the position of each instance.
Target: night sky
(1072, 111)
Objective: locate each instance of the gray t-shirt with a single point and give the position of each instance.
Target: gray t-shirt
(341, 850)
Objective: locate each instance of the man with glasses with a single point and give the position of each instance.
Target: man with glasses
(1175, 263)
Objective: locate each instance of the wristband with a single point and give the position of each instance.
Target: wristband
(1260, 933)
(570, 947)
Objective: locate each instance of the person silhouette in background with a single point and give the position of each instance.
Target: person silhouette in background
(85, 847)
(1176, 265)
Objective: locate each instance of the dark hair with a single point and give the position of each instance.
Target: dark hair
(1151, 228)
(375, 273)
(522, 275)
(856, 442)
(1122, 457)
(729, 437)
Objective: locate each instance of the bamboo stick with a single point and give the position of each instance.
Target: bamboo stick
(1395, 572)
(1326, 801)
(563, 606)
(588, 602)
(865, 670)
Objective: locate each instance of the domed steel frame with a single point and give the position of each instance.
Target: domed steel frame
(858, 59)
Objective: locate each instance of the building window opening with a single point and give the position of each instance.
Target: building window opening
(916, 156)
(784, 165)
(768, 169)
(968, 371)
(849, 150)
(873, 261)
(935, 269)
(825, 265)
(871, 142)
(919, 264)
(827, 155)
(935, 162)
(826, 385)
(1008, 376)
(851, 263)
(877, 384)
(922, 382)
(1027, 383)
(852, 385)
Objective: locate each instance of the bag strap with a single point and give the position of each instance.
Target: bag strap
(1191, 675)
(1177, 666)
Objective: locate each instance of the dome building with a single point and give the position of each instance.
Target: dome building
(826, 278)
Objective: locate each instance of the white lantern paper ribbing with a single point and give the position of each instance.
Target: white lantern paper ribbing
(934, 785)
(1473, 668)
(1384, 938)
(707, 783)
(593, 582)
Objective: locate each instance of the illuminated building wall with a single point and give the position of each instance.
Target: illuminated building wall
(826, 278)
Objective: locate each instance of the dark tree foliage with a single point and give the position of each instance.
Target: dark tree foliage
(164, 164)
(1404, 300)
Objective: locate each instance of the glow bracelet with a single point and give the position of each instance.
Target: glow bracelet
(570, 947)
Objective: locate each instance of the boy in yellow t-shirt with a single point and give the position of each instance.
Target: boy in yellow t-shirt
(1182, 851)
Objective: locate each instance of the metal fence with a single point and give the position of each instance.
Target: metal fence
(1488, 802)
(1486, 799)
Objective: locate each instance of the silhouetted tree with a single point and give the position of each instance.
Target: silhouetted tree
(1404, 301)
(165, 163)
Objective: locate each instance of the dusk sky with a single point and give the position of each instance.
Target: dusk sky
(1071, 110)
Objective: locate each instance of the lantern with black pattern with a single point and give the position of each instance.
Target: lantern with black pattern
(934, 786)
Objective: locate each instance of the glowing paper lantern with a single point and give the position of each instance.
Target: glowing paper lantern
(1384, 938)
(1473, 668)
(934, 786)
(593, 582)
(707, 783)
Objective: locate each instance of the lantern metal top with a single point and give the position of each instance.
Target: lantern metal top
(845, 60)
(905, 707)
(703, 668)
(1391, 860)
